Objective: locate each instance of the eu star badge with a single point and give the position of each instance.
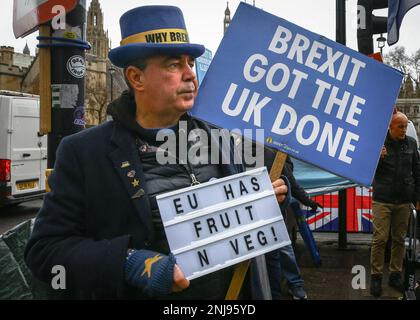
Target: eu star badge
(135, 183)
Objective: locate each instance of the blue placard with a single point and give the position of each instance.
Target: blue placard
(202, 64)
(316, 100)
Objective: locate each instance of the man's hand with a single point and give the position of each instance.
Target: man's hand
(152, 272)
(384, 152)
(180, 282)
(315, 205)
(280, 189)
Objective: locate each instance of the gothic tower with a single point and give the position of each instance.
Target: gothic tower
(95, 31)
(26, 50)
(227, 19)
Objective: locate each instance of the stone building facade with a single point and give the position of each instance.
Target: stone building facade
(13, 68)
(411, 108)
(20, 71)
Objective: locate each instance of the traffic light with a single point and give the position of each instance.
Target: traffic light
(368, 24)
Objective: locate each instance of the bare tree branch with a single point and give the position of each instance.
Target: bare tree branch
(410, 66)
(98, 100)
(398, 59)
(415, 64)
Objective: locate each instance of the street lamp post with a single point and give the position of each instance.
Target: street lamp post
(381, 43)
(111, 74)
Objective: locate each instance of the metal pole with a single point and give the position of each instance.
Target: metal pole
(340, 25)
(340, 31)
(112, 85)
(342, 219)
(260, 275)
(381, 44)
(68, 79)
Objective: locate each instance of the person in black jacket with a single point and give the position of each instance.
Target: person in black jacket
(395, 185)
(282, 263)
(297, 191)
(101, 222)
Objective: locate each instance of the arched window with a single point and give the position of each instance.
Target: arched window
(95, 20)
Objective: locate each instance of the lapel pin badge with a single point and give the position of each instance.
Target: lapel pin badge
(144, 148)
(125, 164)
(135, 183)
(131, 174)
(138, 194)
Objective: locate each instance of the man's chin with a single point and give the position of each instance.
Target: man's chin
(188, 103)
(185, 107)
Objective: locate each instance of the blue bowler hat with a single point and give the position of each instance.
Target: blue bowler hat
(152, 30)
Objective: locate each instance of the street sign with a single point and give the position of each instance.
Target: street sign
(202, 64)
(239, 221)
(29, 14)
(315, 99)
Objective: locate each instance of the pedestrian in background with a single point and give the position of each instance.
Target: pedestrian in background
(395, 185)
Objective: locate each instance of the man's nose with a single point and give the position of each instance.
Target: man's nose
(189, 73)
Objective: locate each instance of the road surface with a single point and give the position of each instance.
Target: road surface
(13, 215)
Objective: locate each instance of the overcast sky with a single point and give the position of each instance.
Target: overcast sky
(204, 20)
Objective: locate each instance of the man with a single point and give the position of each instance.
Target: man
(101, 221)
(396, 184)
(282, 263)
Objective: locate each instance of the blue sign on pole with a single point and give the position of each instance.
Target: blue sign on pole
(316, 100)
(202, 64)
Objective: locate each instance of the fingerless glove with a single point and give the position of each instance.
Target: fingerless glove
(150, 271)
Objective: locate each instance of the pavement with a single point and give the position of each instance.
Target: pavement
(11, 216)
(333, 279)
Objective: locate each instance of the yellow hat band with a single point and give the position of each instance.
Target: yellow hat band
(158, 36)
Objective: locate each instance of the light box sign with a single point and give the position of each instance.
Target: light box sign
(316, 99)
(222, 222)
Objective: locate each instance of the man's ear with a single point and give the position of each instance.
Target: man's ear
(136, 78)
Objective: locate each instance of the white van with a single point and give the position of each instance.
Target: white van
(23, 153)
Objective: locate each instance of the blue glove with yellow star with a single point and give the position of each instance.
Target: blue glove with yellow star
(150, 271)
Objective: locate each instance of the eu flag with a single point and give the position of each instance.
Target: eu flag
(396, 12)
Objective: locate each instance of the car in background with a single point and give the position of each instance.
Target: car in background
(23, 152)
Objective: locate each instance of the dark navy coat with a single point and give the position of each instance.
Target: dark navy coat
(94, 212)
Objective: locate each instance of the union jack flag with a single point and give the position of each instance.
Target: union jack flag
(359, 211)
